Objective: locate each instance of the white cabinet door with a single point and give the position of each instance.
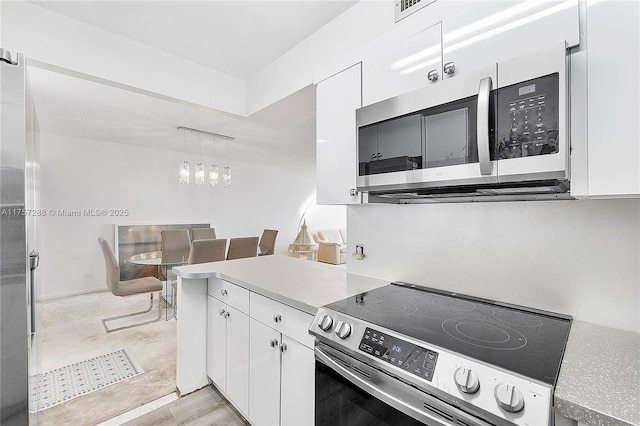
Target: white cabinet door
(484, 33)
(337, 99)
(264, 375)
(238, 359)
(402, 67)
(298, 384)
(216, 342)
(613, 67)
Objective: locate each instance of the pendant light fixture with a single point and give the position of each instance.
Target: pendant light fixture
(226, 173)
(183, 171)
(213, 168)
(200, 167)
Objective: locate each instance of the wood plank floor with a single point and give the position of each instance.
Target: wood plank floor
(203, 407)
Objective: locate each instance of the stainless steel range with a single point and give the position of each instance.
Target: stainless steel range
(404, 354)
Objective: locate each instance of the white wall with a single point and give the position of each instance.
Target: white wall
(55, 39)
(580, 258)
(364, 29)
(89, 174)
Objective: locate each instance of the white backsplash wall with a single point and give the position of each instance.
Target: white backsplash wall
(90, 174)
(580, 258)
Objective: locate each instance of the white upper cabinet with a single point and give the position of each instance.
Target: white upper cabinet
(403, 67)
(613, 70)
(337, 99)
(484, 33)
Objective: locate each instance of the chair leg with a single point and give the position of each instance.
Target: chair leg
(109, 330)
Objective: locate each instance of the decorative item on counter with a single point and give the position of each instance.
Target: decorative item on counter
(303, 246)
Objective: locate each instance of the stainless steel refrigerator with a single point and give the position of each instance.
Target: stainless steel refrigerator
(19, 244)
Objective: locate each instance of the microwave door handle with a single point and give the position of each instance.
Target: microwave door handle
(484, 92)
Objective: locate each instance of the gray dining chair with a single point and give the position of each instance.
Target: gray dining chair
(203, 234)
(210, 250)
(242, 247)
(267, 242)
(175, 240)
(127, 288)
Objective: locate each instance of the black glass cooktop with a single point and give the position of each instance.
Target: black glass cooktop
(527, 342)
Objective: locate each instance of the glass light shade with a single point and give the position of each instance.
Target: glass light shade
(226, 177)
(184, 172)
(199, 174)
(213, 175)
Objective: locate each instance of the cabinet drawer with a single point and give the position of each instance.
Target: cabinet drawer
(230, 294)
(290, 321)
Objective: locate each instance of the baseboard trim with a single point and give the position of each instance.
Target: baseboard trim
(71, 293)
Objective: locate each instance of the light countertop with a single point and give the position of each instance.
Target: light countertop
(299, 283)
(599, 379)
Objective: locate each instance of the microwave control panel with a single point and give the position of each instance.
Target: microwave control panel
(409, 357)
(528, 115)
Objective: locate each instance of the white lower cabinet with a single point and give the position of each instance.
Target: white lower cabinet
(282, 370)
(297, 393)
(264, 376)
(228, 352)
(260, 355)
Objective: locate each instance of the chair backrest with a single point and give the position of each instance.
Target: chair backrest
(203, 234)
(176, 240)
(210, 250)
(111, 263)
(242, 247)
(267, 242)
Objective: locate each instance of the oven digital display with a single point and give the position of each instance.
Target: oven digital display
(412, 358)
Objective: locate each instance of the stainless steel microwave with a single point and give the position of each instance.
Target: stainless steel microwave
(500, 130)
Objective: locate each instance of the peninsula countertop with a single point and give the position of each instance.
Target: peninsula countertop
(599, 380)
(299, 283)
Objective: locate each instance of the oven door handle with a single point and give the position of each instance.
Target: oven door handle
(377, 392)
(484, 94)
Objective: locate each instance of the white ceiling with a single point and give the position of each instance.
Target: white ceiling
(281, 135)
(235, 37)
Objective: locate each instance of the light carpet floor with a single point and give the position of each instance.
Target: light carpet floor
(71, 331)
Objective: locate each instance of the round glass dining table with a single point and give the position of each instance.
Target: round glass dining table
(165, 262)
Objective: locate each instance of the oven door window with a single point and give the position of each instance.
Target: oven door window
(340, 403)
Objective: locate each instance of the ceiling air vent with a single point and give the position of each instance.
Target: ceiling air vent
(405, 8)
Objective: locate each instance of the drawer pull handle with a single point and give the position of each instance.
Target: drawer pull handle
(221, 312)
(273, 343)
(223, 292)
(277, 318)
(283, 347)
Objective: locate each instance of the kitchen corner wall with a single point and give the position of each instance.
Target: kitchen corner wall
(580, 258)
(81, 174)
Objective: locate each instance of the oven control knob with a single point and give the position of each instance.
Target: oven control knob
(466, 380)
(343, 330)
(325, 322)
(509, 397)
